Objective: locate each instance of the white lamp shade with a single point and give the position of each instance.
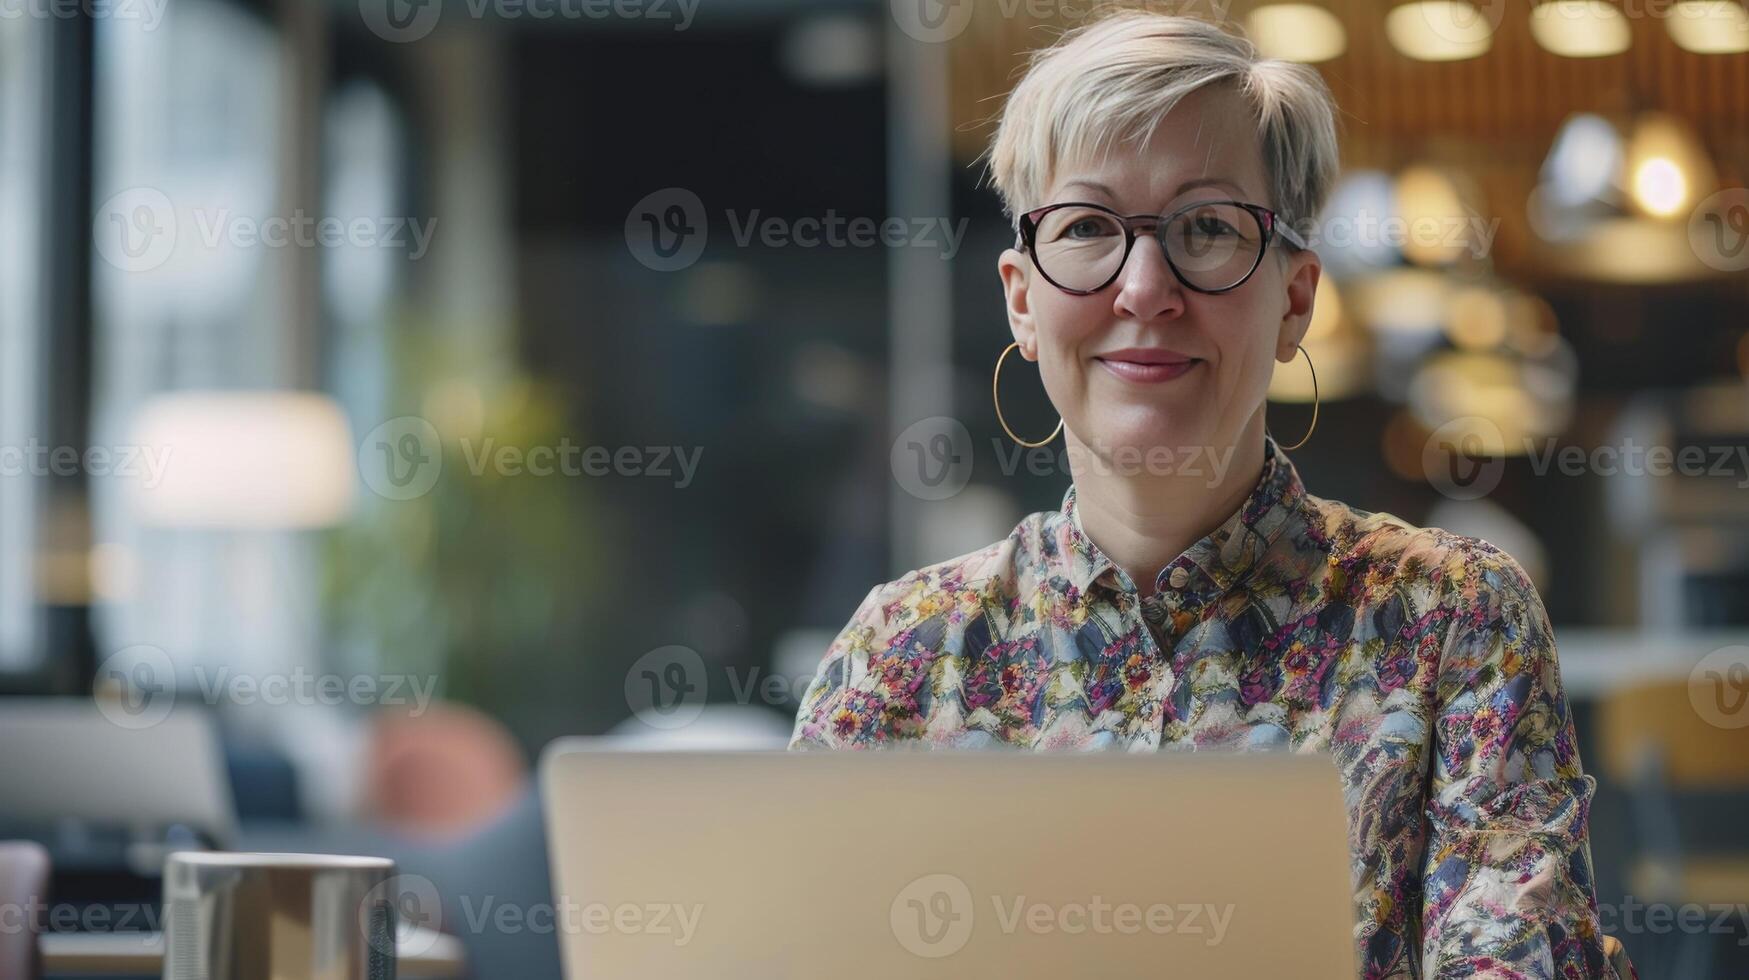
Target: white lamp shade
(245, 460)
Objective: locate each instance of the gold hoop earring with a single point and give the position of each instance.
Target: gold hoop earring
(1314, 425)
(996, 397)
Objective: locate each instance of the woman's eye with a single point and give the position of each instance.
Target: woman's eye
(1089, 228)
(1214, 227)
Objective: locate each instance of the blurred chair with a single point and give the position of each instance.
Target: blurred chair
(443, 773)
(24, 884)
(1656, 745)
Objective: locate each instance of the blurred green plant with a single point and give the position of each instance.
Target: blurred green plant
(483, 581)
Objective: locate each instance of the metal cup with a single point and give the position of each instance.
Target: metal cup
(239, 916)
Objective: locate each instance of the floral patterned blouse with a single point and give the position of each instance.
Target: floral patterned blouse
(1420, 660)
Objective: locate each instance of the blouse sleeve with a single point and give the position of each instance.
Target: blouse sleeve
(1507, 878)
(840, 707)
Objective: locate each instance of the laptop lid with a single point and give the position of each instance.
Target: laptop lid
(770, 865)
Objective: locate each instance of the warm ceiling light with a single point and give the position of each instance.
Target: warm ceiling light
(1709, 26)
(1440, 30)
(1667, 168)
(1660, 186)
(1580, 28)
(1297, 32)
(1429, 201)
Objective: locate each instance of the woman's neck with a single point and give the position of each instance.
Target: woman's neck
(1144, 516)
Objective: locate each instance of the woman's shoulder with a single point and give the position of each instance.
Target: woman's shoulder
(961, 587)
(1460, 568)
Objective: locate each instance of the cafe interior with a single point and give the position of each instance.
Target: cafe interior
(388, 389)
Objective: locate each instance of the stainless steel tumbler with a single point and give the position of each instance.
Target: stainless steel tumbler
(240, 916)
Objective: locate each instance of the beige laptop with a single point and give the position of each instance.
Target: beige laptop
(773, 865)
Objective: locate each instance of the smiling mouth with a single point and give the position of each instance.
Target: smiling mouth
(1153, 370)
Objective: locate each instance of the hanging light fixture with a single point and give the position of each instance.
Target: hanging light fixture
(1709, 26)
(1443, 30)
(1580, 28)
(1300, 32)
(1667, 168)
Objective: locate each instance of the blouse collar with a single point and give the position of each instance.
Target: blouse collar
(1214, 564)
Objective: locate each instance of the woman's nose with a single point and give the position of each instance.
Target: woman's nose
(1147, 288)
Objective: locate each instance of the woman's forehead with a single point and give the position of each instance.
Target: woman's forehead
(1152, 176)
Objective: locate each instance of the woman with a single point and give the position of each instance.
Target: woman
(1155, 168)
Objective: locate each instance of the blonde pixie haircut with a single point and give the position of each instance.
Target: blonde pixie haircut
(1116, 78)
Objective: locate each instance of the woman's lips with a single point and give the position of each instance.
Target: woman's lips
(1147, 373)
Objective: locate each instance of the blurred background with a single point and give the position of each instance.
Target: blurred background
(388, 387)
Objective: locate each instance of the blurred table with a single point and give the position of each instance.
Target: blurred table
(421, 953)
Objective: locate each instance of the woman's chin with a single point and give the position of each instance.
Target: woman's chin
(1140, 439)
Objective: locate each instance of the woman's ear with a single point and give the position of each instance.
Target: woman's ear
(1303, 271)
(1016, 272)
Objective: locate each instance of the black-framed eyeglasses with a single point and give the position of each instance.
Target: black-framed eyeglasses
(1211, 246)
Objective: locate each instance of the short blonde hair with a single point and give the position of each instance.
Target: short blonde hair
(1116, 78)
